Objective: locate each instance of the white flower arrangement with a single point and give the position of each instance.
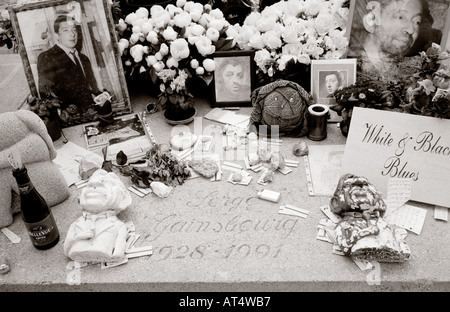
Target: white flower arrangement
(294, 31)
(173, 44)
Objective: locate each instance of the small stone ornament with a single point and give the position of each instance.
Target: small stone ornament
(206, 167)
(300, 149)
(363, 233)
(4, 265)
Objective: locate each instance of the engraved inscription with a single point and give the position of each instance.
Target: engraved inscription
(238, 224)
(228, 202)
(234, 251)
(224, 230)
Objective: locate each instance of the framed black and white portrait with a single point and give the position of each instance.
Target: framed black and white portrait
(382, 32)
(234, 78)
(328, 76)
(69, 50)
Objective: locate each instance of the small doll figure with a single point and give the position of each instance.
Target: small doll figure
(98, 235)
(363, 233)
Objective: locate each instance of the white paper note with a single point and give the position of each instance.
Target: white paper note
(399, 192)
(408, 217)
(441, 213)
(68, 161)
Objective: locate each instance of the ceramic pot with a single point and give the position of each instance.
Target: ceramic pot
(177, 118)
(317, 122)
(54, 129)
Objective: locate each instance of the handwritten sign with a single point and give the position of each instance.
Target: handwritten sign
(383, 145)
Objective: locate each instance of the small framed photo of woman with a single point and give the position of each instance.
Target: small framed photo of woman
(69, 51)
(234, 78)
(328, 76)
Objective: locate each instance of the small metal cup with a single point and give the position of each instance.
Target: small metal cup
(317, 122)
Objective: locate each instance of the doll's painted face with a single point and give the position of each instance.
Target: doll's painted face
(103, 192)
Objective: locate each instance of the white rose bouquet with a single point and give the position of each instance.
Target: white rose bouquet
(288, 34)
(173, 46)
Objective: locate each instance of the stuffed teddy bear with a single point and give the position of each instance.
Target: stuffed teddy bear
(23, 132)
(98, 235)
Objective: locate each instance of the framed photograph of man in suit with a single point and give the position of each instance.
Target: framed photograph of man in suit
(69, 51)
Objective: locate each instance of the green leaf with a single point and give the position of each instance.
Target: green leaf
(126, 170)
(153, 75)
(121, 158)
(207, 79)
(107, 166)
(223, 44)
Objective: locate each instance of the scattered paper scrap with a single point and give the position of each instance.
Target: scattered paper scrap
(256, 167)
(141, 192)
(180, 155)
(327, 211)
(112, 264)
(337, 250)
(294, 211)
(408, 217)
(81, 184)
(441, 213)
(265, 177)
(363, 265)
(323, 236)
(246, 179)
(68, 161)
(203, 143)
(298, 209)
(11, 235)
(398, 193)
(285, 170)
(291, 163)
(227, 117)
(139, 252)
(132, 240)
(226, 165)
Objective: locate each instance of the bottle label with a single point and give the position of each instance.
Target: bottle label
(25, 188)
(43, 232)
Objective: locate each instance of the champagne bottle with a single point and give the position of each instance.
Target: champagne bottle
(36, 215)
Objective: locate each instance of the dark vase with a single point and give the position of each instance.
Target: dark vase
(197, 87)
(179, 116)
(142, 83)
(54, 129)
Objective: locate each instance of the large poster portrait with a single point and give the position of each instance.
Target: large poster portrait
(69, 50)
(383, 32)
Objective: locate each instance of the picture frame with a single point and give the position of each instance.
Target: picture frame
(48, 71)
(235, 88)
(445, 43)
(363, 14)
(328, 76)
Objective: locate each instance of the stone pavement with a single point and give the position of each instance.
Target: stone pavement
(216, 236)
